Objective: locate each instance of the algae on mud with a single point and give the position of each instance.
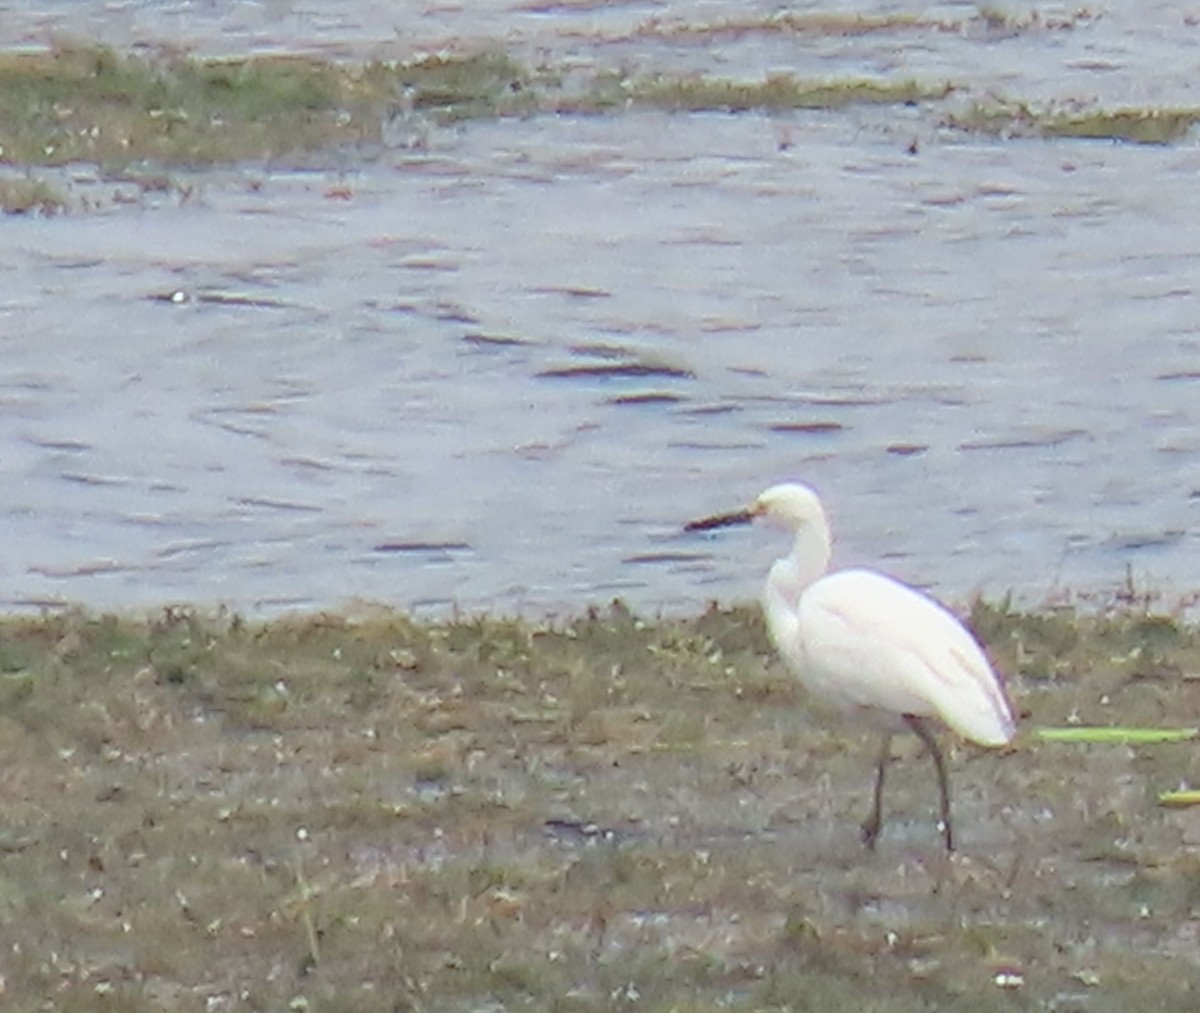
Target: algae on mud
(92, 104)
(367, 812)
(984, 21)
(95, 105)
(777, 92)
(1017, 119)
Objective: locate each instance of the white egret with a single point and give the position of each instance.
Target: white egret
(876, 647)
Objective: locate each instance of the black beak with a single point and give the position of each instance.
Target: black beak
(720, 521)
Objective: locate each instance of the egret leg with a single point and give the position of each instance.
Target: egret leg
(874, 822)
(925, 734)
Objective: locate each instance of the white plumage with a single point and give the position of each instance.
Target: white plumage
(872, 645)
(906, 655)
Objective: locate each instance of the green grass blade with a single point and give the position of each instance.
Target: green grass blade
(1179, 799)
(1133, 736)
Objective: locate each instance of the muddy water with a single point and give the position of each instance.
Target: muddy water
(496, 367)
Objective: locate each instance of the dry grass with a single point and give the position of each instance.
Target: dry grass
(368, 813)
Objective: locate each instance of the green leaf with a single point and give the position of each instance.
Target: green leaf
(1133, 736)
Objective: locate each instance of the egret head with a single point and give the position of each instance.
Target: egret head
(790, 505)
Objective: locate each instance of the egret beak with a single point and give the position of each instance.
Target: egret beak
(744, 516)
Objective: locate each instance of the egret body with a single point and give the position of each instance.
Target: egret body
(872, 645)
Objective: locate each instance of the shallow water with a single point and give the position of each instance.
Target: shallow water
(501, 370)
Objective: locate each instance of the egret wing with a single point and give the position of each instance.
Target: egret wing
(867, 640)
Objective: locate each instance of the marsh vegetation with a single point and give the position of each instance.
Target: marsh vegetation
(78, 103)
(365, 812)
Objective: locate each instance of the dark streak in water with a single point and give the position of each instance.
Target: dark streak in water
(195, 545)
(649, 397)
(840, 401)
(78, 265)
(700, 445)
(1145, 540)
(575, 292)
(309, 462)
(427, 264)
(94, 569)
(1183, 374)
(15, 382)
(494, 341)
(652, 558)
(907, 449)
(250, 408)
(1055, 439)
(74, 446)
(616, 369)
(403, 547)
(180, 297)
(229, 427)
(153, 522)
(251, 302)
(277, 504)
(602, 350)
(713, 409)
(807, 428)
(98, 480)
(39, 602)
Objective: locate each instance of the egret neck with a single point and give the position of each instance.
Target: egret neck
(790, 575)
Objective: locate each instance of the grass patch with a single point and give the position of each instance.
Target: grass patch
(1136, 126)
(817, 23)
(121, 111)
(92, 104)
(777, 92)
(369, 812)
(987, 20)
(95, 105)
(1119, 736)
